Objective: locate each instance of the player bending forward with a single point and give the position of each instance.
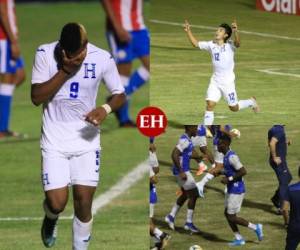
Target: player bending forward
(65, 78)
(234, 172)
(222, 82)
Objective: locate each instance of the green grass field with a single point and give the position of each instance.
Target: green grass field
(118, 224)
(260, 185)
(183, 72)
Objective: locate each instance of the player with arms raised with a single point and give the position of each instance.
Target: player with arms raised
(65, 78)
(222, 82)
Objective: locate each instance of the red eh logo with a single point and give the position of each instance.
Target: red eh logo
(151, 121)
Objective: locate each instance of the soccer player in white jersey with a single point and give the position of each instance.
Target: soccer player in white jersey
(222, 82)
(65, 78)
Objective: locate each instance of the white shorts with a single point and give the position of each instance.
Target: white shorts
(216, 90)
(233, 203)
(218, 156)
(63, 169)
(189, 183)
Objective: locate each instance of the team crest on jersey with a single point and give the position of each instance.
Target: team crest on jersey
(89, 70)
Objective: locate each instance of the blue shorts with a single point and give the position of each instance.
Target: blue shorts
(138, 47)
(8, 65)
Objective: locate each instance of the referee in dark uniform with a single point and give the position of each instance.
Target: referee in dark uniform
(291, 214)
(278, 151)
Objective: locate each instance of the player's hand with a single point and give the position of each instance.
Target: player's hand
(72, 65)
(123, 35)
(225, 180)
(234, 26)
(15, 50)
(277, 160)
(187, 26)
(289, 142)
(183, 176)
(96, 116)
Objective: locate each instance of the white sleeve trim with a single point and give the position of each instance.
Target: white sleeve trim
(235, 162)
(182, 144)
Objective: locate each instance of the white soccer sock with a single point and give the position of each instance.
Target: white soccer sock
(48, 213)
(143, 73)
(207, 178)
(245, 104)
(189, 215)
(252, 226)
(208, 118)
(81, 234)
(7, 89)
(124, 80)
(157, 233)
(238, 236)
(175, 210)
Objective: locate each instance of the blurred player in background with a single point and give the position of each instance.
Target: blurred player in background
(217, 131)
(234, 172)
(278, 151)
(65, 78)
(12, 71)
(291, 214)
(128, 39)
(181, 156)
(161, 238)
(222, 82)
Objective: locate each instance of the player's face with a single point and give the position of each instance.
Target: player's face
(220, 34)
(222, 146)
(193, 130)
(83, 49)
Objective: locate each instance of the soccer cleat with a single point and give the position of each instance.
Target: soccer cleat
(259, 232)
(6, 135)
(202, 168)
(255, 107)
(170, 220)
(164, 239)
(49, 231)
(236, 242)
(200, 188)
(128, 124)
(191, 227)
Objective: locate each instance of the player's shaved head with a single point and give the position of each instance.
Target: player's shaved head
(73, 37)
(191, 129)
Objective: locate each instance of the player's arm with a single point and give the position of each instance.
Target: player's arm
(238, 166)
(113, 84)
(42, 92)
(122, 34)
(236, 36)
(272, 146)
(191, 37)
(4, 19)
(285, 212)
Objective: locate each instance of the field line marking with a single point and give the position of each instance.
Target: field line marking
(214, 28)
(104, 199)
(272, 72)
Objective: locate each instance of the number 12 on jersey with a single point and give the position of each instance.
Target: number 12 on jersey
(74, 89)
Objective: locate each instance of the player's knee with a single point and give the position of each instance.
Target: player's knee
(234, 108)
(56, 206)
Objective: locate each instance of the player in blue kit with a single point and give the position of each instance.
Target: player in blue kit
(181, 156)
(291, 213)
(217, 131)
(161, 238)
(234, 172)
(278, 151)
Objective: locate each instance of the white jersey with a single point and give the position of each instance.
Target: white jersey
(64, 127)
(222, 59)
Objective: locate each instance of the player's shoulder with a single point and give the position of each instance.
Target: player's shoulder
(46, 48)
(201, 130)
(294, 187)
(102, 54)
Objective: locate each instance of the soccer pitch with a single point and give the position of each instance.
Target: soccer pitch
(118, 224)
(266, 66)
(260, 184)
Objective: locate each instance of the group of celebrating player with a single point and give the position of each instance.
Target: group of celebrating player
(224, 161)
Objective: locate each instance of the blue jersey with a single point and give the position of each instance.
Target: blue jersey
(231, 166)
(217, 133)
(153, 195)
(277, 131)
(293, 197)
(201, 131)
(185, 146)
